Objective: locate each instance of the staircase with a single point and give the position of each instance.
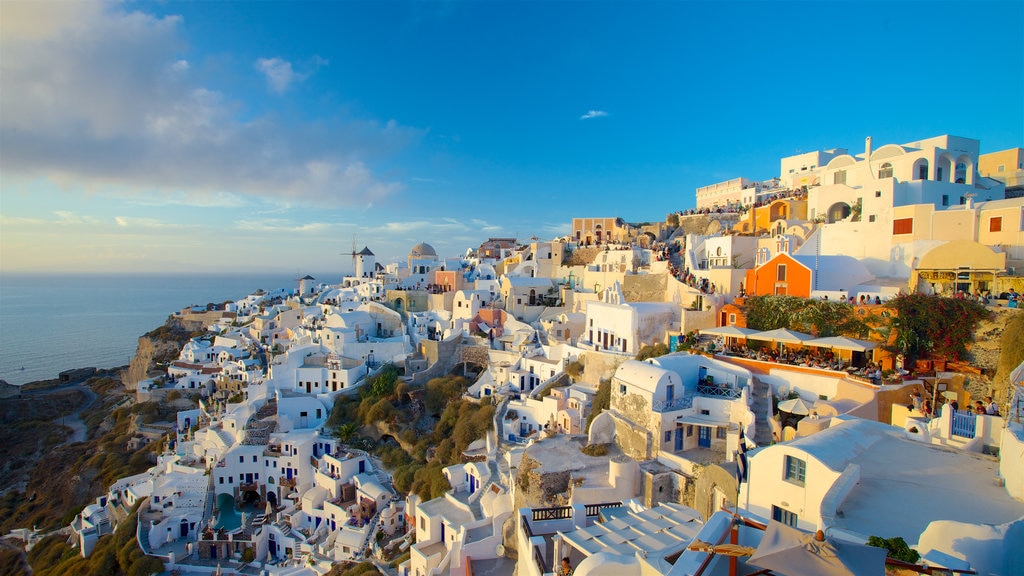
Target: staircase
(762, 408)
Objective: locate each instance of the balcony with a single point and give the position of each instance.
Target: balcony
(289, 482)
(718, 391)
(681, 403)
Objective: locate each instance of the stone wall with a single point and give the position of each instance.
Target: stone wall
(710, 477)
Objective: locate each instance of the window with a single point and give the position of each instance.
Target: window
(871, 218)
(668, 435)
(720, 433)
(1001, 168)
(945, 199)
(922, 171)
(622, 388)
(689, 430)
(878, 193)
(839, 177)
(780, 273)
(220, 479)
(903, 226)
(796, 470)
(254, 458)
(995, 224)
(885, 171)
(784, 516)
(241, 459)
(732, 319)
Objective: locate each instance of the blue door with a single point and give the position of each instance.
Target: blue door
(704, 439)
(679, 438)
(472, 484)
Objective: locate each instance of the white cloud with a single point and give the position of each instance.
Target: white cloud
(593, 114)
(285, 225)
(149, 223)
(445, 225)
(104, 100)
(483, 226)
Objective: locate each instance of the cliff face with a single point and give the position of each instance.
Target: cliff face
(997, 349)
(160, 345)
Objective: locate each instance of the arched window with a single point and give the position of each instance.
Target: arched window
(922, 170)
(885, 171)
(961, 173)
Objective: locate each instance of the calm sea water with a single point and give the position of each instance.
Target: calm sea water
(50, 323)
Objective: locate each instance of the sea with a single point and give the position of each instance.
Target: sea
(55, 322)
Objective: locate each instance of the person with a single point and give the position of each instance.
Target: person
(979, 408)
(955, 406)
(878, 300)
(926, 408)
(915, 397)
(1012, 298)
(991, 408)
(566, 569)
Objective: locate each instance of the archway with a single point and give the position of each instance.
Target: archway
(838, 211)
(250, 498)
(272, 499)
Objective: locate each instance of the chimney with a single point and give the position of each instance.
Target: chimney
(867, 148)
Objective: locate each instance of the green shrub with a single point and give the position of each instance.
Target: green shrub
(895, 548)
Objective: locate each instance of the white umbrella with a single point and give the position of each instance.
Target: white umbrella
(781, 335)
(795, 406)
(842, 343)
(786, 550)
(728, 332)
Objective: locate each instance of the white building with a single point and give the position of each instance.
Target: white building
(618, 326)
(851, 477)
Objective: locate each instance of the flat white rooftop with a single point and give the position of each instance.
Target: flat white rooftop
(905, 485)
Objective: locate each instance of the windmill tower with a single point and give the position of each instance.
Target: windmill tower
(365, 265)
(363, 261)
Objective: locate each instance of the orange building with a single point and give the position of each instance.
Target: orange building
(732, 314)
(781, 274)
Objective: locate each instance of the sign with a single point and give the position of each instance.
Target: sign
(937, 275)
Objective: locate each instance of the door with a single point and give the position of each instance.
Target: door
(472, 484)
(704, 436)
(184, 528)
(679, 438)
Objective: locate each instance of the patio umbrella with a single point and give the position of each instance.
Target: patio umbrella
(795, 406)
(728, 332)
(781, 335)
(789, 551)
(842, 343)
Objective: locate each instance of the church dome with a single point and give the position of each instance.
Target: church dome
(422, 250)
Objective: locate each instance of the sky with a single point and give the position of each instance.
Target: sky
(268, 136)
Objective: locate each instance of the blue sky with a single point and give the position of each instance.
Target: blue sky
(239, 136)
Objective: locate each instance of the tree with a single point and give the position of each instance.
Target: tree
(602, 401)
(346, 431)
(653, 351)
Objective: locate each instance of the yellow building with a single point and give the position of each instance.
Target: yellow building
(784, 212)
(1007, 166)
(600, 230)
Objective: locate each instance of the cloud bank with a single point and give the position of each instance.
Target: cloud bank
(593, 114)
(99, 98)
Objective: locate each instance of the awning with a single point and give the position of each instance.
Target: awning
(701, 420)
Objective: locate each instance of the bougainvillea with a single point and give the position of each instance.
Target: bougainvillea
(935, 325)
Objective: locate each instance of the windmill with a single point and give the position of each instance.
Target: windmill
(354, 254)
